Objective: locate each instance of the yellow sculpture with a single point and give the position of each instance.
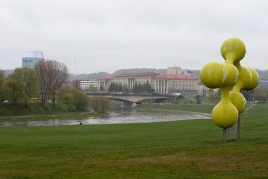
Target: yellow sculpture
(229, 76)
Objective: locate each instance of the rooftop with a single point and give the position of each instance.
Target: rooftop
(33, 54)
(108, 77)
(137, 74)
(175, 77)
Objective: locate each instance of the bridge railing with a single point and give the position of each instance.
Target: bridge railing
(129, 94)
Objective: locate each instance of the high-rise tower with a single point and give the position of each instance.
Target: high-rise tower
(30, 58)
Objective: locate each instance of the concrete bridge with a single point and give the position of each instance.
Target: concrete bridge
(131, 99)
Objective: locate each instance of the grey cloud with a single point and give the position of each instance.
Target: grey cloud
(104, 35)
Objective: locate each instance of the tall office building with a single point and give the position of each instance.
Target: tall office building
(30, 58)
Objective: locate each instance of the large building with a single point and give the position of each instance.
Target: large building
(171, 83)
(130, 79)
(105, 82)
(30, 58)
(87, 85)
(175, 84)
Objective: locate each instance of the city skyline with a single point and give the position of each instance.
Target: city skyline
(103, 36)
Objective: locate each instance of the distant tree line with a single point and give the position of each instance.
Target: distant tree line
(137, 88)
(258, 94)
(19, 86)
(46, 82)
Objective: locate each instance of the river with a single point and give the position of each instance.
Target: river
(121, 116)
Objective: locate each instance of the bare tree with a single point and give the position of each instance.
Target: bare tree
(100, 104)
(42, 73)
(52, 75)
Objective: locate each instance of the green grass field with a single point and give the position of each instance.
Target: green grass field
(181, 149)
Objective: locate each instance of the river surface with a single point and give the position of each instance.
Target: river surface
(121, 116)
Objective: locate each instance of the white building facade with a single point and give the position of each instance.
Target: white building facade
(130, 79)
(87, 85)
(171, 84)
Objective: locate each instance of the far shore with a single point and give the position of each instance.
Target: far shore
(76, 115)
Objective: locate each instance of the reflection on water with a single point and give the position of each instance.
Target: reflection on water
(116, 117)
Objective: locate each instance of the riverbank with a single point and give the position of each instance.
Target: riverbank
(199, 108)
(63, 116)
(121, 116)
(177, 149)
(35, 111)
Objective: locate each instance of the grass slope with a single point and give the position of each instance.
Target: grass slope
(180, 149)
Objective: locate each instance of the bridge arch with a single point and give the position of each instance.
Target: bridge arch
(130, 100)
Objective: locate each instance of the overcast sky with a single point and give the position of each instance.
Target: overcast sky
(105, 35)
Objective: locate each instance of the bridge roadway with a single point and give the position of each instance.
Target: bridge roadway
(131, 99)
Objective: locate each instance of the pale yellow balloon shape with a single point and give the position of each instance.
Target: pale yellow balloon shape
(213, 74)
(238, 100)
(231, 75)
(224, 114)
(253, 83)
(248, 79)
(233, 50)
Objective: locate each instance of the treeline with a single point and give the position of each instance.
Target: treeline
(46, 83)
(42, 82)
(137, 88)
(257, 95)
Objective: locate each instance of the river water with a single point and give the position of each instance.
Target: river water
(121, 116)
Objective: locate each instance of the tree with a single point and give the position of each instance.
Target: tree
(51, 76)
(142, 88)
(92, 89)
(198, 99)
(114, 87)
(212, 96)
(2, 77)
(28, 78)
(260, 94)
(73, 99)
(111, 87)
(100, 104)
(13, 89)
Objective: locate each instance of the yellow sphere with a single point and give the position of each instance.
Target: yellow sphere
(212, 74)
(224, 114)
(253, 83)
(238, 100)
(233, 50)
(248, 78)
(231, 75)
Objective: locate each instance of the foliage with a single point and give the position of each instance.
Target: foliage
(212, 95)
(198, 99)
(13, 89)
(28, 78)
(19, 110)
(100, 104)
(73, 100)
(258, 94)
(2, 76)
(19, 86)
(137, 88)
(142, 88)
(37, 111)
(115, 87)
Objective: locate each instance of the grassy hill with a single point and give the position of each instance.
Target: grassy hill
(179, 149)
